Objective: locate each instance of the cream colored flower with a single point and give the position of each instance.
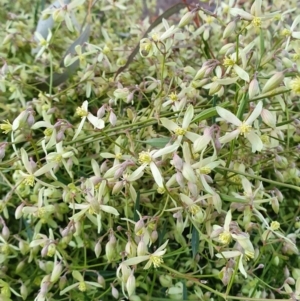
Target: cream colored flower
(154, 259)
(243, 127)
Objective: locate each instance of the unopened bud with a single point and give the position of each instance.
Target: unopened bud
(230, 28)
(273, 82)
(275, 205)
(290, 281)
(201, 72)
(186, 19)
(101, 281)
(139, 226)
(117, 187)
(112, 118)
(268, 118)
(20, 267)
(253, 88)
(114, 292)
(110, 248)
(130, 284)
(130, 249)
(62, 282)
(142, 248)
(5, 233)
(165, 280)
(24, 291)
(56, 272)
(275, 260)
(98, 249)
(278, 194)
(214, 88)
(154, 236)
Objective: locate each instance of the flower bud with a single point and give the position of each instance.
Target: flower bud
(130, 249)
(130, 284)
(114, 292)
(275, 205)
(186, 19)
(230, 28)
(273, 82)
(117, 187)
(20, 267)
(112, 118)
(62, 282)
(5, 233)
(139, 227)
(142, 248)
(24, 291)
(154, 236)
(278, 194)
(98, 249)
(165, 280)
(253, 88)
(110, 248)
(101, 281)
(214, 88)
(275, 260)
(268, 118)
(56, 272)
(290, 281)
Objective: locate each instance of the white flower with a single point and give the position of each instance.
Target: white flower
(43, 43)
(85, 114)
(243, 127)
(154, 258)
(182, 130)
(147, 158)
(32, 174)
(231, 254)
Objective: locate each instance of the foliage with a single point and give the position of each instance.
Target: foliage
(173, 178)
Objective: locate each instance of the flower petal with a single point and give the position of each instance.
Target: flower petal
(241, 73)
(169, 124)
(256, 112)
(156, 174)
(229, 136)
(188, 116)
(228, 116)
(255, 141)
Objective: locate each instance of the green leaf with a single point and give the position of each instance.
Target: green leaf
(195, 241)
(157, 142)
(206, 114)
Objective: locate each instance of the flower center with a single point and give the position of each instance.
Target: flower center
(29, 180)
(173, 97)
(118, 156)
(286, 32)
(245, 128)
(256, 22)
(225, 237)
(194, 209)
(82, 286)
(295, 85)
(228, 62)
(275, 225)
(81, 112)
(180, 131)
(205, 170)
(156, 260)
(145, 158)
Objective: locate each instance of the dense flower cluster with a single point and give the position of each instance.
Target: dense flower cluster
(134, 171)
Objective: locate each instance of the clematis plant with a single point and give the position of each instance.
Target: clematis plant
(243, 127)
(154, 259)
